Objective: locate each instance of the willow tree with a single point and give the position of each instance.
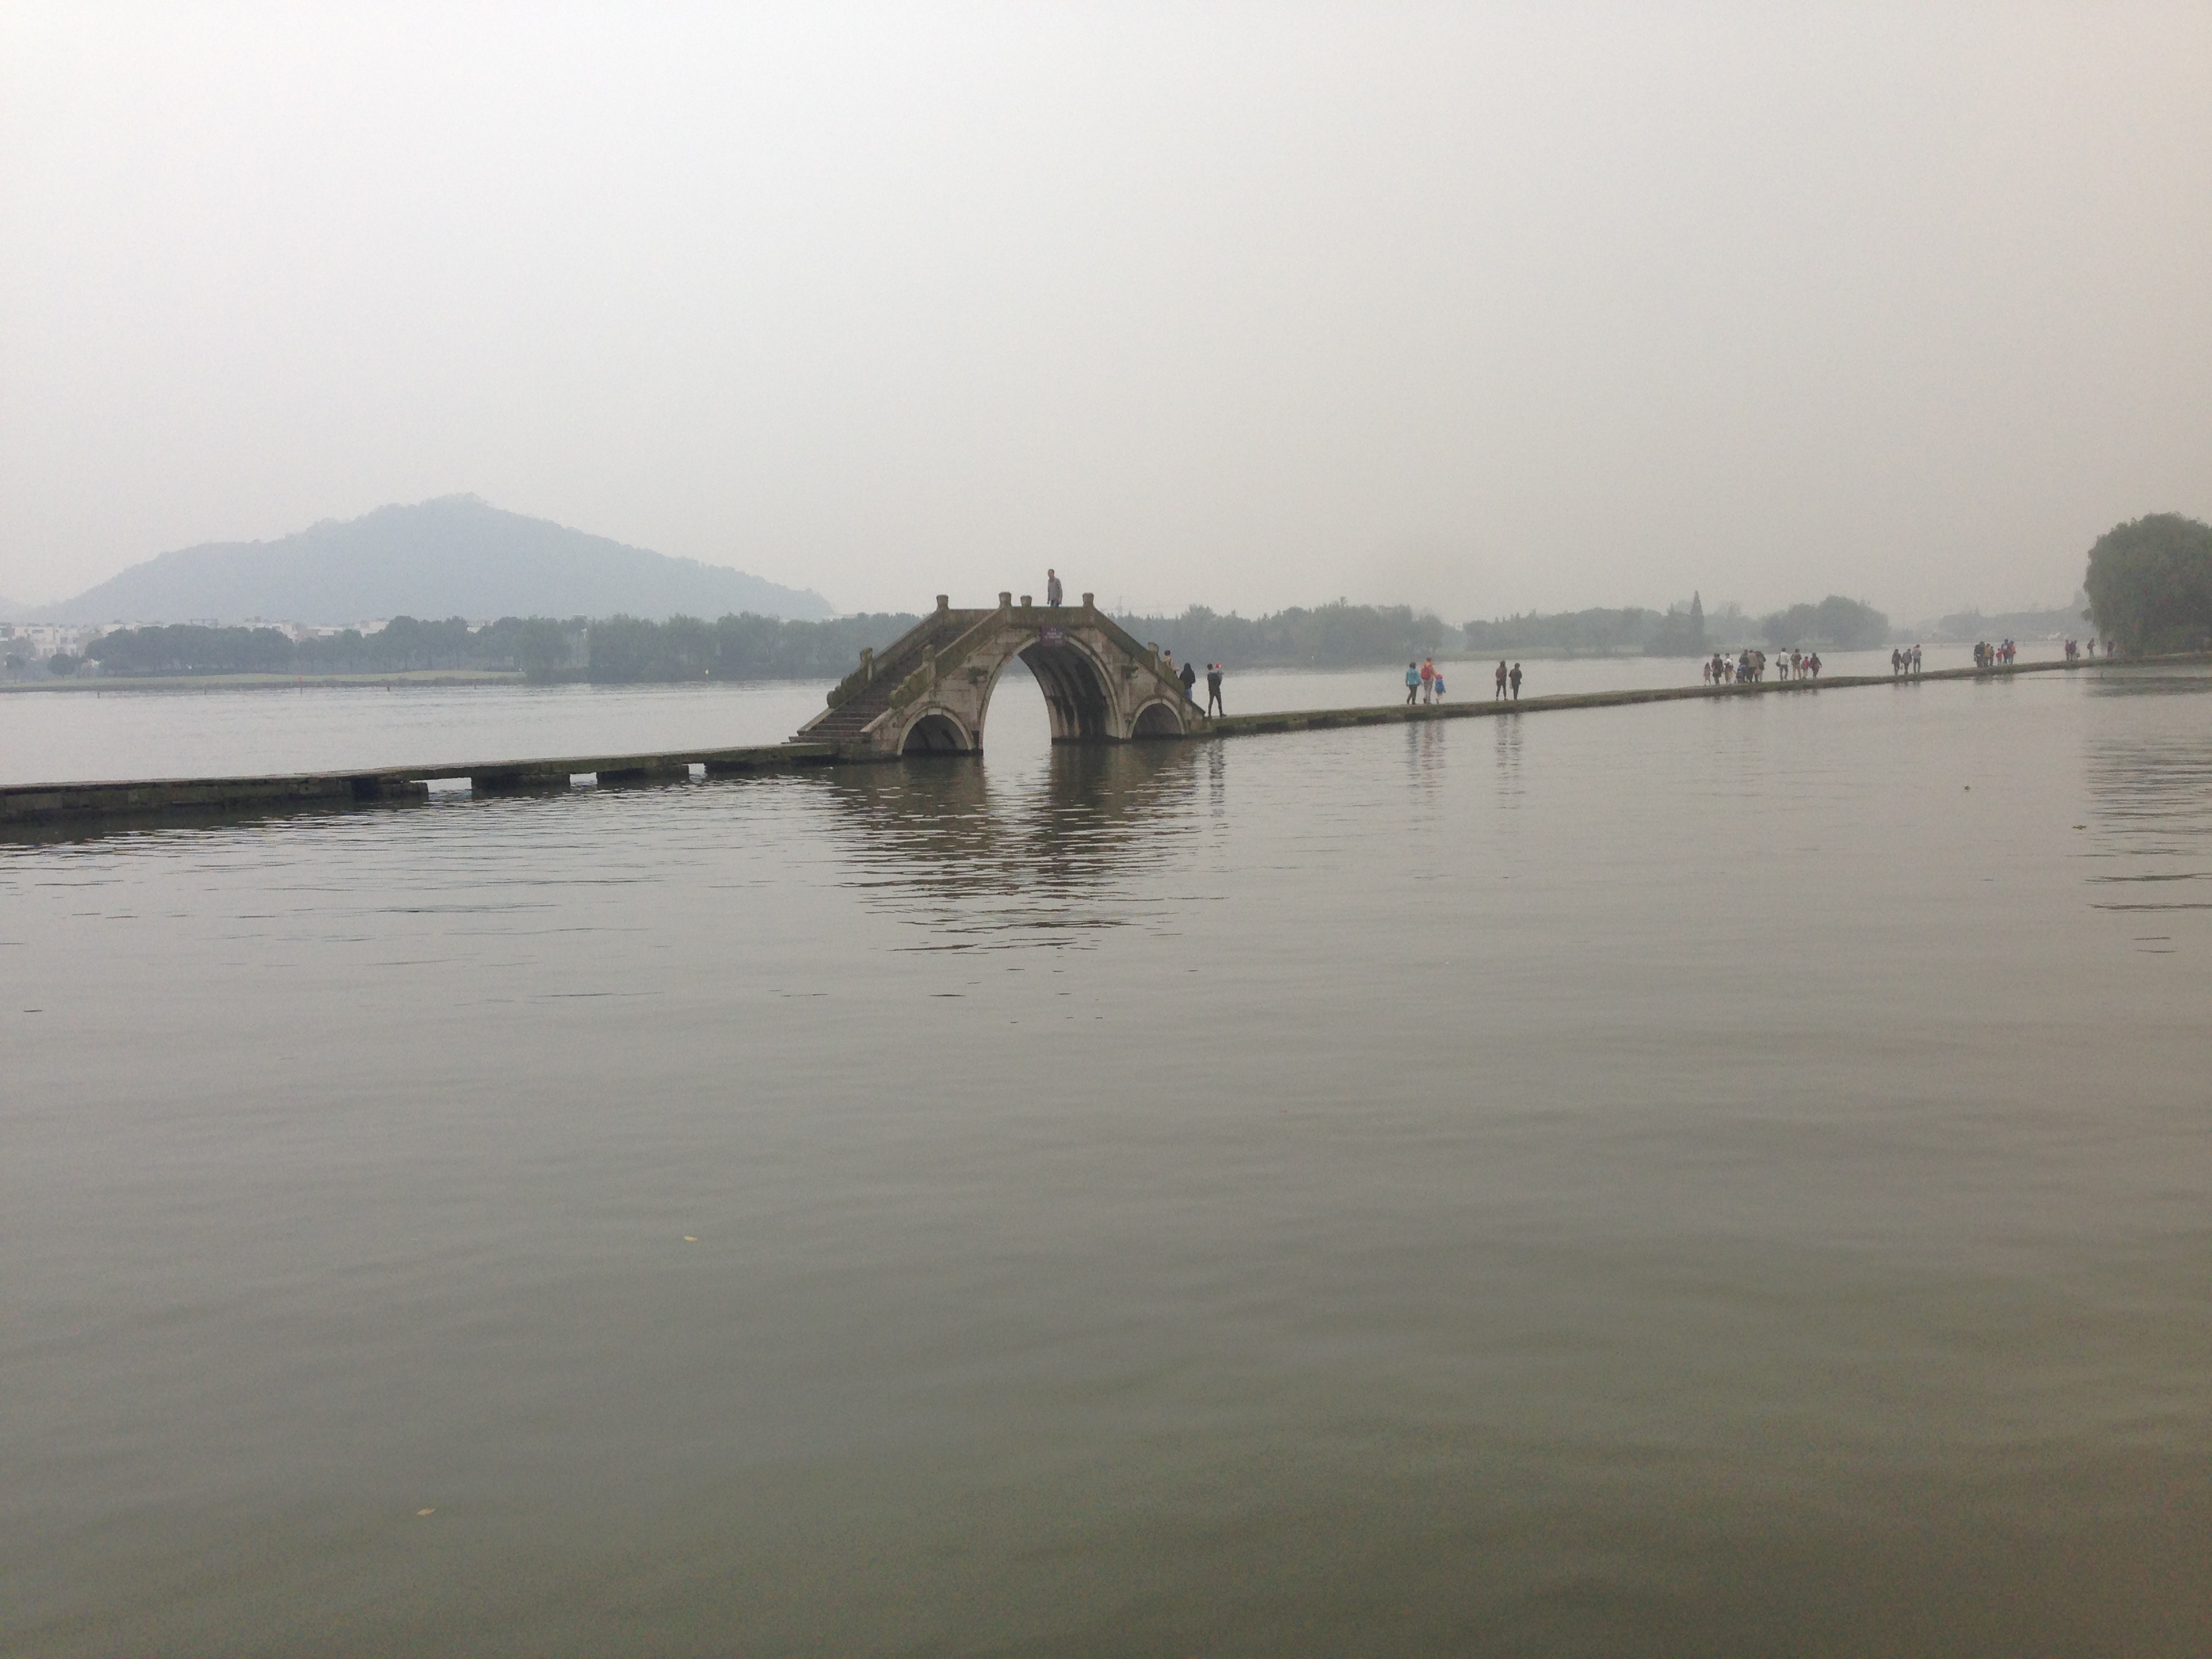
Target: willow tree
(2150, 584)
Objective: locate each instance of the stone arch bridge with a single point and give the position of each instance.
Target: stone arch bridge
(929, 691)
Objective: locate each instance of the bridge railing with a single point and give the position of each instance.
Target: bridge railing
(850, 687)
(883, 664)
(1130, 643)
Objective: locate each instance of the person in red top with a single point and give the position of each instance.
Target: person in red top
(1428, 679)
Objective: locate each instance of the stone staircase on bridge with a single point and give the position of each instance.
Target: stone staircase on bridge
(868, 690)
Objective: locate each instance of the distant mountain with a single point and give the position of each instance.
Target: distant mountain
(456, 556)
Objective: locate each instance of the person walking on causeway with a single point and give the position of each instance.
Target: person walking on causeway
(1412, 683)
(1052, 589)
(1514, 676)
(1213, 704)
(1498, 678)
(1428, 679)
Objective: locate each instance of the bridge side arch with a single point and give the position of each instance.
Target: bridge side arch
(937, 731)
(1158, 718)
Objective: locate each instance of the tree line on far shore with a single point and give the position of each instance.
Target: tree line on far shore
(402, 644)
(614, 649)
(1834, 624)
(1334, 635)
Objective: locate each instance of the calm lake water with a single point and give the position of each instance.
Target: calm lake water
(1718, 1178)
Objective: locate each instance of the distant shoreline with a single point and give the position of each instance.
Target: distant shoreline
(264, 682)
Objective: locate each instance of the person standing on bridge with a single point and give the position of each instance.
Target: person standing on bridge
(1190, 677)
(1498, 679)
(1413, 683)
(1514, 677)
(1428, 679)
(1213, 704)
(1052, 589)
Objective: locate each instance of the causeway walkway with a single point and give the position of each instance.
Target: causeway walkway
(29, 805)
(1321, 719)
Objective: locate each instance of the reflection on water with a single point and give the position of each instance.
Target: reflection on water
(1427, 747)
(2150, 799)
(979, 858)
(1507, 743)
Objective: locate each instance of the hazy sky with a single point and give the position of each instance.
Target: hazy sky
(1477, 307)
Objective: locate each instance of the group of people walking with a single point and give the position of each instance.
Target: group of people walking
(1748, 668)
(1425, 682)
(1905, 662)
(2002, 654)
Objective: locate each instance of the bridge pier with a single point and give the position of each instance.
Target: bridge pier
(378, 787)
(519, 781)
(645, 772)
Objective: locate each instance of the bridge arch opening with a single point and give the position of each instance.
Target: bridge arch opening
(936, 734)
(1074, 687)
(1157, 720)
